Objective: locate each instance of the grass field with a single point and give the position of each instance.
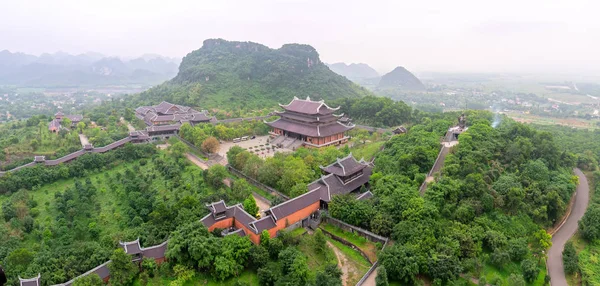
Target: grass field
(366, 151)
(357, 264)
(571, 122)
(365, 245)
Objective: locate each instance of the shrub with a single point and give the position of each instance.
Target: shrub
(570, 258)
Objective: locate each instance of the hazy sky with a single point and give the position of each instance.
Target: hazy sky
(440, 35)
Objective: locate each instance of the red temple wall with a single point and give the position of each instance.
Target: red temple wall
(221, 224)
(294, 218)
(253, 237)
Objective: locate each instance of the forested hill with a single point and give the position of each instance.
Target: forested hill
(401, 78)
(248, 75)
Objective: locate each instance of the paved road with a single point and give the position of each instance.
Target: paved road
(554, 263)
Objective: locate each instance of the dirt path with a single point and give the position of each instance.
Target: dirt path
(371, 279)
(195, 160)
(262, 203)
(84, 140)
(342, 262)
(564, 233)
(129, 126)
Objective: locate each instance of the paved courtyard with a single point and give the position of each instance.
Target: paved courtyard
(254, 143)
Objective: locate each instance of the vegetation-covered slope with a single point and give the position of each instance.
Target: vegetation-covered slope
(249, 75)
(486, 215)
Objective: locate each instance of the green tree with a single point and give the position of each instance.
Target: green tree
(66, 122)
(331, 275)
(250, 206)
(382, 278)
(320, 241)
(401, 262)
(570, 258)
(215, 175)
(589, 225)
(530, 269)
(81, 126)
(264, 238)
(122, 270)
(178, 149)
(89, 280)
(516, 280)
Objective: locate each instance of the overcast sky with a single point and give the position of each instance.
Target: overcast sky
(440, 35)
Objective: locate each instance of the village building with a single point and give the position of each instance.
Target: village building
(55, 125)
(344, 176)
(170, 114)
(399, 130)
(310, 123)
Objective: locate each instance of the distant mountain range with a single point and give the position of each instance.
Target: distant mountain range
(401, 78)
(354, 71)
(90, 69)
(249, 75)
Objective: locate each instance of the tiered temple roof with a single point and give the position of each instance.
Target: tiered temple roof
(309, 118)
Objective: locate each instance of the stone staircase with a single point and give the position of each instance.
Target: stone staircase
(295, 144)
(277, 140)
(287, 142)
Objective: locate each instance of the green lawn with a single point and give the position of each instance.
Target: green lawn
(366, 151)
(365, 245)
(298, 232)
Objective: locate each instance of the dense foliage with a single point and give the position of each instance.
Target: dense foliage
(288, 173)
(376, 111)
(68, 228)
(498, 188)
(199, 133)
(39, 175)
(246, 75)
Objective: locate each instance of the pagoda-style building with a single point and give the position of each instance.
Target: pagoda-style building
(313, 123)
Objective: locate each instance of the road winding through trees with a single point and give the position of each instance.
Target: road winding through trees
(564, 233)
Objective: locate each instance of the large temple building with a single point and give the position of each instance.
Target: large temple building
(310, 123)
(168, 114)
(344, 176)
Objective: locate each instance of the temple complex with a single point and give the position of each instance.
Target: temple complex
(310, 123)
(55, 124)
(344, 176)
(171, 114)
